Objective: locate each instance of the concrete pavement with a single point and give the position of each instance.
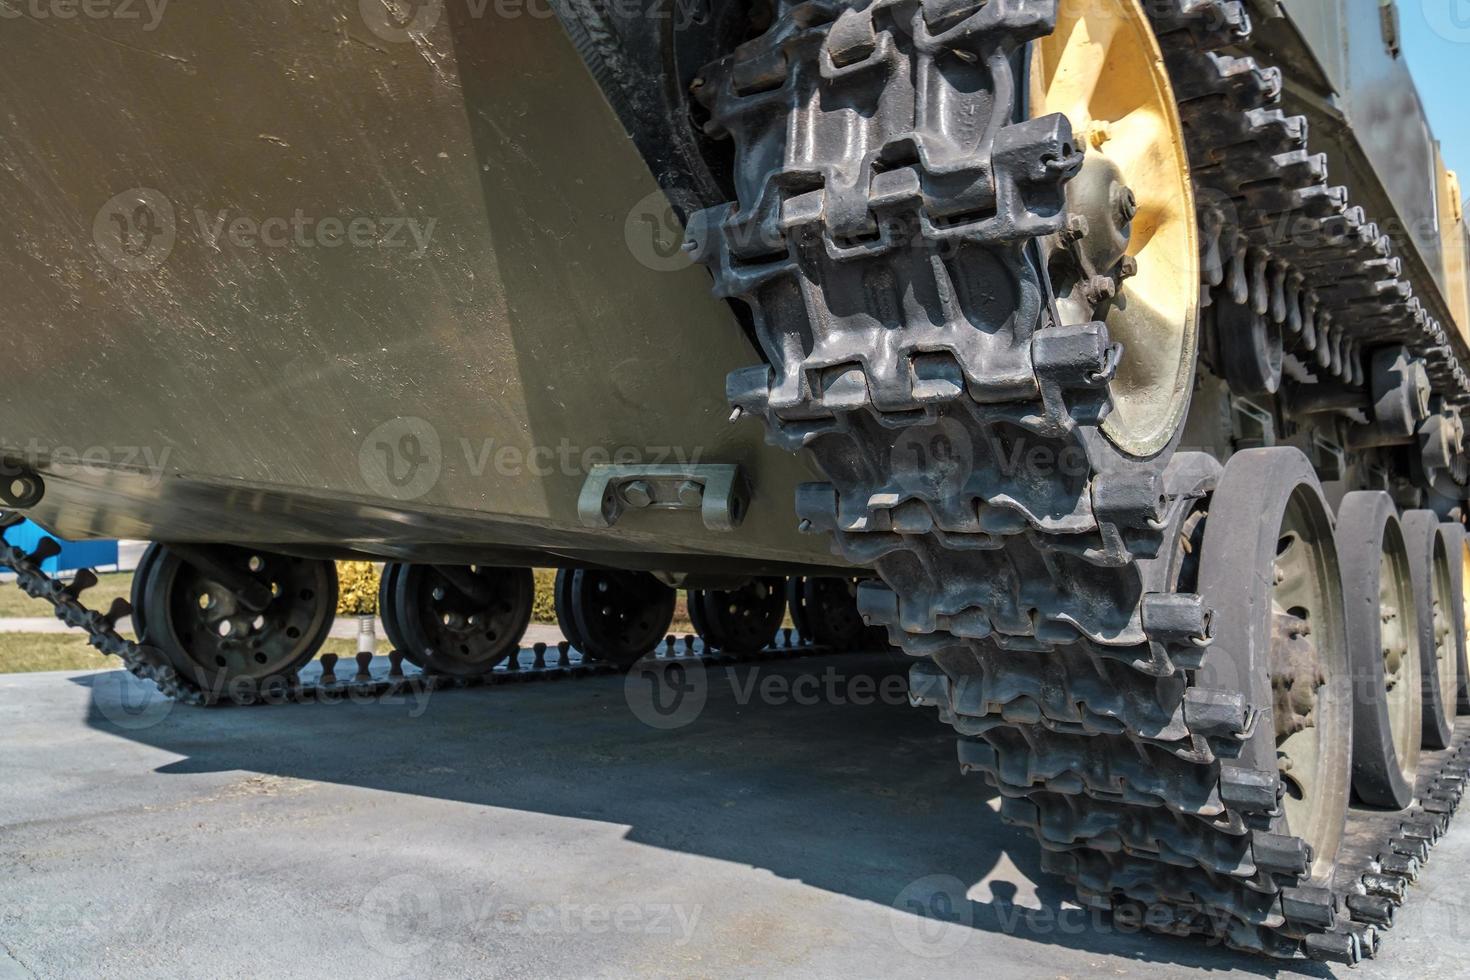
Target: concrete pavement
(803, 821)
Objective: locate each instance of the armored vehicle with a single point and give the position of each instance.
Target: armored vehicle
(1110, 355)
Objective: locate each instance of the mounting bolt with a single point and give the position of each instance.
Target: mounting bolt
(1127, 204)
(638, 493)
(1099, 289)
(1076, 229)
(1127, 267)
(691, 493)
(1098, 133)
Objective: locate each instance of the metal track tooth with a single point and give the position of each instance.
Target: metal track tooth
(1250, 791)
(84, 580)
(1372, 909)
(1280, 854)
(1425, 829)
(1335, 947)
(1402, 865)
(1309, 906)
(1413, 847)
(46, 548)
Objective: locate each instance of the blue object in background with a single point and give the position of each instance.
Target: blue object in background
(74, 554)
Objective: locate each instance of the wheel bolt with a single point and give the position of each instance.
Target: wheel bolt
(1127, 205)
(638, 493)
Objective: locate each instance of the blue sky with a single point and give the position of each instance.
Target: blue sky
(1436, 45)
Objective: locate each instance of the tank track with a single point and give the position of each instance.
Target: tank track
(539, 662)
(889, 202)
(143, 662)
(1289, 246)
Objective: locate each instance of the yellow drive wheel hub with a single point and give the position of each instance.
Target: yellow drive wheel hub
(1132, 260)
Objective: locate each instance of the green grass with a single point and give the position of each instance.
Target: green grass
(16, 604)
(22, 653)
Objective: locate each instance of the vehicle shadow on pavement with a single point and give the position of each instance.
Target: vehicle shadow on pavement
(815, 769)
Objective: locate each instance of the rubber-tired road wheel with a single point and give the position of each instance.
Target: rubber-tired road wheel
(1458, 571)
(386, 612)
(1383, 641)
(741, 620)
(140, 580)
(1269, 568)
(461, 624)
(208, 634)
(1429, 558)
(832, 611)
(620, 616)
(565, 620)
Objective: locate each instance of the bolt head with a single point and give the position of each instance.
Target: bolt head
(1127, 204)
(691, 493)
(638, 493)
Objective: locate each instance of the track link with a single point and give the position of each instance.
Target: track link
(1279, 239)
(539, 662)
(889, 202)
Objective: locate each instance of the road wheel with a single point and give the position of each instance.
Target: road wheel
(832, 610)
(386, 612)
(1459, 569)
(1434, 593)
(620, 616)
(1383, 638)
(742, 620)
(208, 632)
(461, 620)
(562, 596)
(1270, 570)
(140, 580)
